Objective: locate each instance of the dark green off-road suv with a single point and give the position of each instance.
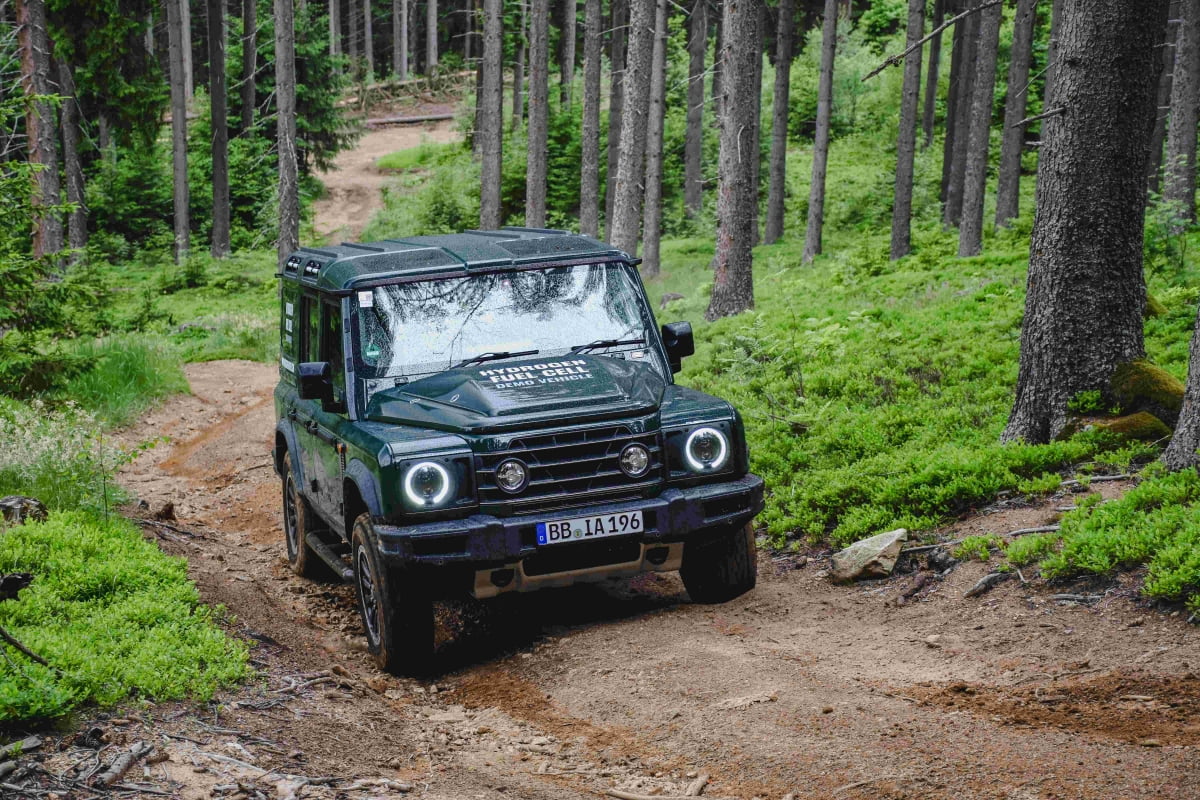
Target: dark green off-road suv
(495, 411)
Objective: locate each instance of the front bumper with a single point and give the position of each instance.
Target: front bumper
(485, 542)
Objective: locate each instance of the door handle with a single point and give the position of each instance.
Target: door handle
(291, 414)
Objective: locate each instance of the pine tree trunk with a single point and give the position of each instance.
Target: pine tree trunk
(1179, 184)
(41, 128)
(756, 121)
(566, 63)
(250, 60)
(1181, 453)
(777, 189)
(352, 40)
(1159, 136)
(518, 90)
(285, 101)
(631, 166)
(906, 140)
(1008, 187)
(589, 177)
(1085, 292)
(368, 39)
(1052, 50)
(693, 147)
(178, 127)
(539, 68)
(616, 103)
(718, 96)
(931, 81)
(219, 120)
(431, 37)
(733, 280)
(816, 191)
(400, 39)
(189, 73)
(962, 122)
(77, 235)
(491, 116)
(953, 103)
(970, 238)
(335, 24)
(652, 216)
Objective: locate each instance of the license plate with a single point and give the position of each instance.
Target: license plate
(593, 527)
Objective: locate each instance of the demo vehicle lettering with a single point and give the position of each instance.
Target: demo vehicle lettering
(496, 411)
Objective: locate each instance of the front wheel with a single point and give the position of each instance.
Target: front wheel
(299, 520)
(397, 614)
(721, 569)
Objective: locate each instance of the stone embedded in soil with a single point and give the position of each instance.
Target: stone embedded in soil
(870, 558)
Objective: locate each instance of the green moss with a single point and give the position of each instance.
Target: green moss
(1154, 307)
(1142, 426)
(1139, 385)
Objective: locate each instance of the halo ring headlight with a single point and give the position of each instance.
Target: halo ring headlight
(635, 460)
(706, 450)
(512, 476)
(427, 484)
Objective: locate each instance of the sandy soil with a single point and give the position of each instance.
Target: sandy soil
(354, 187)
(799, 687)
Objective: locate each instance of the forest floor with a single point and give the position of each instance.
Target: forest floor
(354, 187)
(798, 687)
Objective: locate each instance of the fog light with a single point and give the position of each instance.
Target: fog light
(502, 577)
(657, 555)
(635, 461)
(511, 476)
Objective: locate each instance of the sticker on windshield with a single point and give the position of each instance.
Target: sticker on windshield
(537, 374)
(366, 299)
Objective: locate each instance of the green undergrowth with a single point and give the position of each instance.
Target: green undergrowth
(112, 614)
(125, 374)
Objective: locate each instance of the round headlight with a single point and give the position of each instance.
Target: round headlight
(427, 484)
(706, 449)
(635, 461)
(511, 476)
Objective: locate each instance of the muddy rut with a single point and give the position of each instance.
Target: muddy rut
(799, 687)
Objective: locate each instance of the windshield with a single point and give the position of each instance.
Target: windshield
(413, 329)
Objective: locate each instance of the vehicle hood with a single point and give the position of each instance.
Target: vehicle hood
(505, 395)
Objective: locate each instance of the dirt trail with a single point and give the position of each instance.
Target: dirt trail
(354, 187)
(799, 687)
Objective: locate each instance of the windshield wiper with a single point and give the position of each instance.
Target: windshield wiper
(479, 359)
(583, 348)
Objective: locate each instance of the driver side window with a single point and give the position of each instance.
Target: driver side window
(331, 348)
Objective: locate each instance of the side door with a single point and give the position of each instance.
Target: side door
(303, 412)
(330, 454)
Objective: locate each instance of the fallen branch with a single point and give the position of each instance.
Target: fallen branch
(169, 527)
(408, 120)
(868, 781)
(620, 795)
(8, 637)
(1054, 112)
(1038, 529)
(1077, 598)
(925, 547)
(987, 583)
(697, 786)
(896, 59)
(1098, 479)
(23, 746)
(122, 763)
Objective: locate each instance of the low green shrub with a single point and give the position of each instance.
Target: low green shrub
(112, 614)
(125, 374)
(977, 547)
(1027, 549)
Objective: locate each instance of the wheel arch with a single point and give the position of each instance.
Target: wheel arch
(360, 493)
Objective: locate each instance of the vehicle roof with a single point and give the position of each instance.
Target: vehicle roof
(342, 268)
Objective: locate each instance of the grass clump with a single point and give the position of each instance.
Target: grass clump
(125, 374)
(1028, 549)
(978, 547)
(112, 613)
(426, 155)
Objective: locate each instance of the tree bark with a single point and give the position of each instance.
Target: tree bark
(1159, 136)
(652, 217)
(77, 235)
(906, 139)
(1052, 50)
(491, 116)
(250, 59)
(1008, 187)
(178, 127)
(1179, 183)
(970, 237)
(953, 103)
(733, 280)
(718, 66)
(962, 122)
(589, 177)
(219, 120)
(400, 39)
(756, 122)
(518, 90)
(353, 49)
(693, 147)
(616, 103)
(335, 24)
(816, 191)
(566, 63)
(931, 82)
(368, 38)
(285, 100)
(535, 165)
(1181, 452)
(777, 178)
(40, 126)
(189, 73)
(631, 166)
(431, 37)
(1085, 293)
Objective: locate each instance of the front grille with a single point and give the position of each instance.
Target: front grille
(582, 555)
(569, 469)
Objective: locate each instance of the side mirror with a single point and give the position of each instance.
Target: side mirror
(316, 382)
(677, 338)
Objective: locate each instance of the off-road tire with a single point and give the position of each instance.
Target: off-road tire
(299, 520)
(721, 569)
(397, 612)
